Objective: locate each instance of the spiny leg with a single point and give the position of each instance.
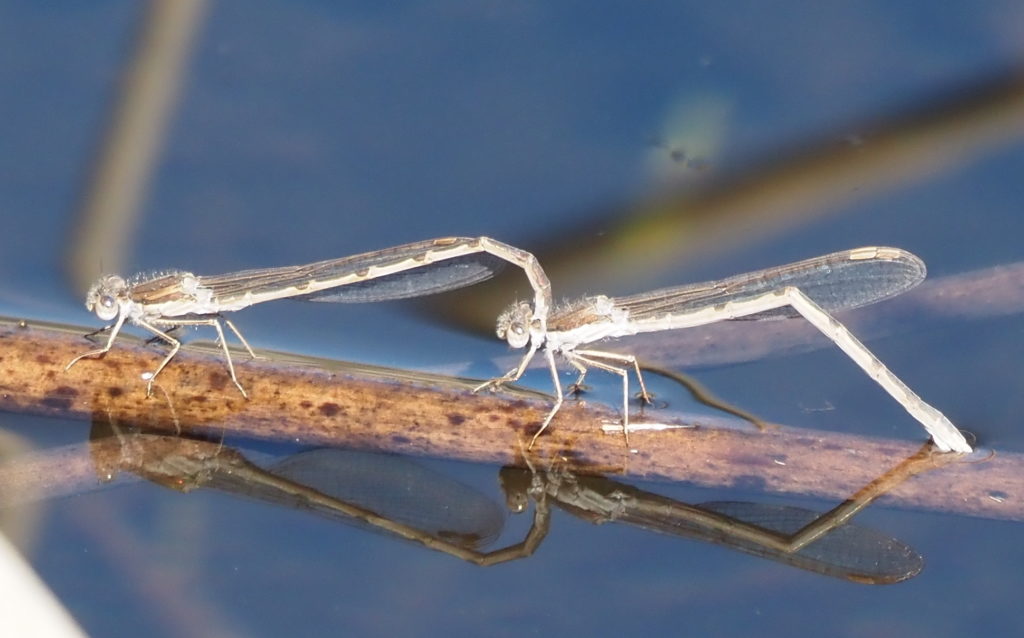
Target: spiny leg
(628, 359)
(96, 353)
(577, 385)
(175, 346)
(240, 338)
(214, 322)
(591, 357)
(205, 321)
(558, 397)
(512, 375)
(227, 354)
(646, 396)
(90, 335)
(154, 339)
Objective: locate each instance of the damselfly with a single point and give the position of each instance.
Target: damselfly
(162, 301)
(810, 288)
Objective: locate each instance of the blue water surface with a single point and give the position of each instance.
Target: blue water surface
(309, 130)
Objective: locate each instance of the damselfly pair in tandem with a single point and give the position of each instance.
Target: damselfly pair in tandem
(812, 289)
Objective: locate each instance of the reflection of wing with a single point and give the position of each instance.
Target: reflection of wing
(410, 270)
(392, 487)
(845, 551)
(838, 281)
(850, 552)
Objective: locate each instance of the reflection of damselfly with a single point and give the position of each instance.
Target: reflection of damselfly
(390, 494)
(380, 492)
(810, 288)
(163, 301)
(823, 543)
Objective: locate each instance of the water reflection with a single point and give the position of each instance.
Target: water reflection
(393, 494)
(821, 543)
(383, 492)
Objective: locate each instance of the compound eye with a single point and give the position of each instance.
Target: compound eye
(517, 335)
(106, 308)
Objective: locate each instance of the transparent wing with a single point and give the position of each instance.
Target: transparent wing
(450, 274)
(411, 270)
(839, 281)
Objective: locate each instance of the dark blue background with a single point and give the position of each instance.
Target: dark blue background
(309, 130)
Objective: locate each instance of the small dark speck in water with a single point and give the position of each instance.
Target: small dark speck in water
(456, 419)
(114, 391)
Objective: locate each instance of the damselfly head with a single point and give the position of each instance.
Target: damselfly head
(514, 324)
(104, 295)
